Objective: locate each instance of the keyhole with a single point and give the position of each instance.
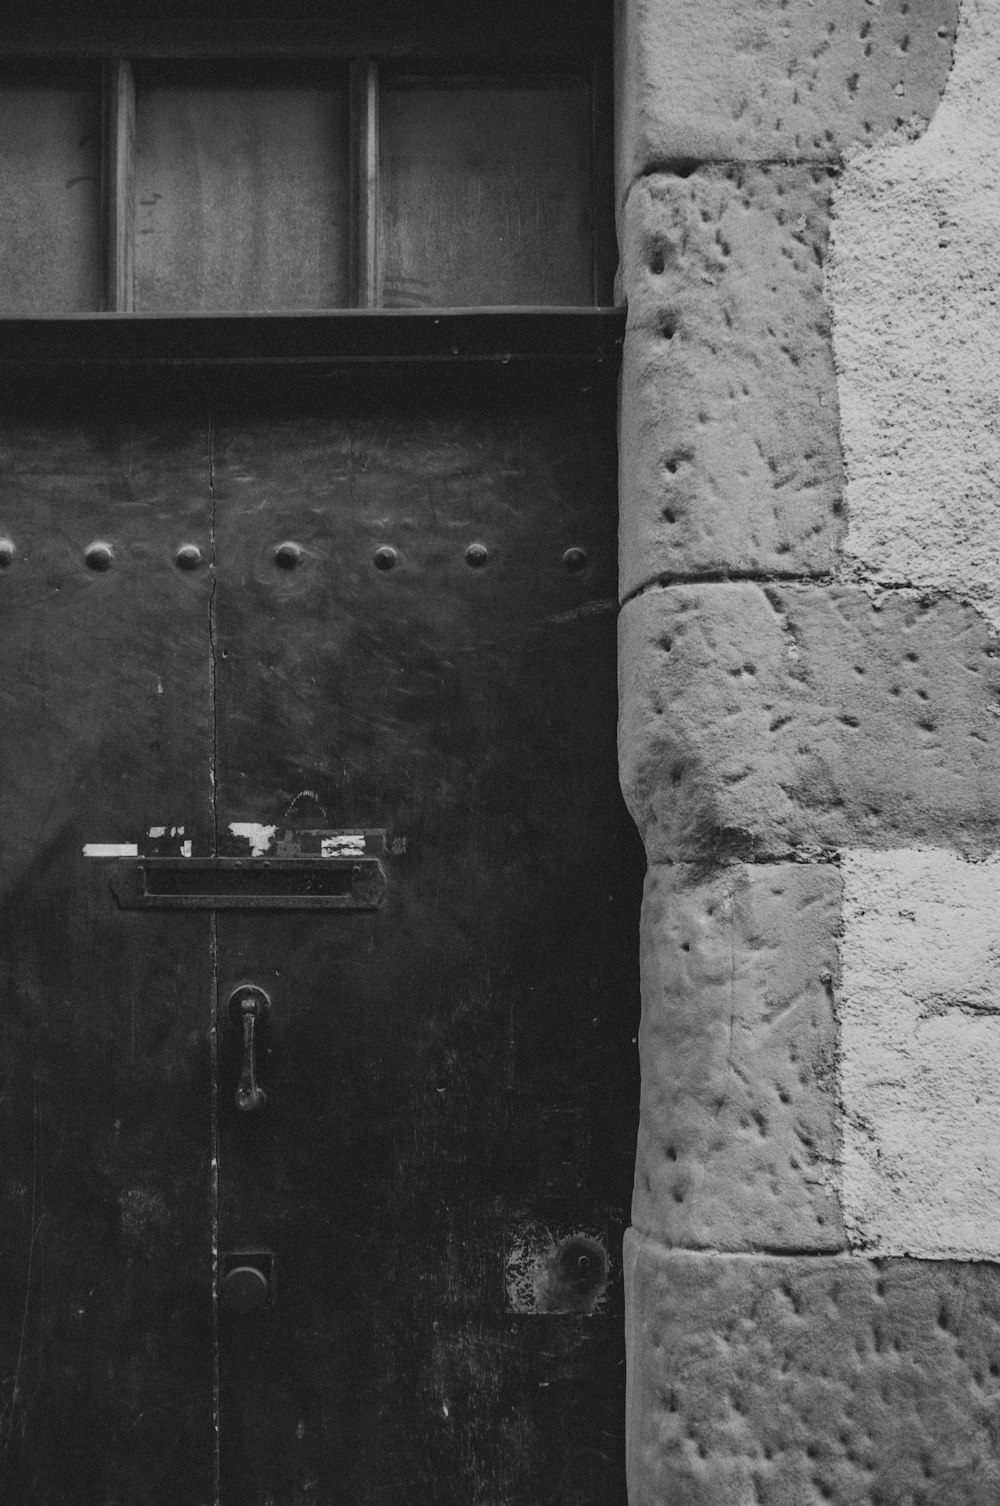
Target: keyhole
(574, 1277)
(582, 1265)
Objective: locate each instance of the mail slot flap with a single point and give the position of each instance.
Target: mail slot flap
(328, 883)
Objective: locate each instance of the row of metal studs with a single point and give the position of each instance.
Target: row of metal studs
(99, 556)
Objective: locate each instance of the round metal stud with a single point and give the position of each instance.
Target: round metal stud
(384, 557)
(7, 553)
(244, 1289)
(98, 556)
(574, 560)
(476, 556)
(287, 555)
(188, 557)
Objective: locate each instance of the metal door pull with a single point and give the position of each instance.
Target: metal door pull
(247, 1008)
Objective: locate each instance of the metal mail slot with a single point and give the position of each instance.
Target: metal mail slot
(348, 883)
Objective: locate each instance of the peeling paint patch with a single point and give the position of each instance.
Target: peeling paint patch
(306, 842)
(260, 837)
(110, 849)
(165, 842)
(550, 1271)
(343, 845)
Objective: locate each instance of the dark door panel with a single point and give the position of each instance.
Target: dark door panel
(450, 1078)
(105, 1073)
(356, 638)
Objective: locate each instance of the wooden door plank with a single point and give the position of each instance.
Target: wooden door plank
(603, 192)
(241, 188)
(486, 187)
(50, 188)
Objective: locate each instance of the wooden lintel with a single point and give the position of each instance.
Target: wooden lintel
(552, 337)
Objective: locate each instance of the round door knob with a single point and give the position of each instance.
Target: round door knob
(244, 1289)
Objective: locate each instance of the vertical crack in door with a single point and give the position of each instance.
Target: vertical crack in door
(214, 1196)
(214, 953)
(212, 650)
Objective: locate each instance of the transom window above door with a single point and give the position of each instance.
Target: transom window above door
(174, 187)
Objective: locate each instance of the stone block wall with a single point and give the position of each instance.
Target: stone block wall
(809, 217)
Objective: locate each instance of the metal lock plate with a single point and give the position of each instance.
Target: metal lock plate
(305, 870)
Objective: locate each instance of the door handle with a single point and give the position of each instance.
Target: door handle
(248, 1006)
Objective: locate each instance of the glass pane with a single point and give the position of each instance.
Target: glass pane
(485, 193)
(50, 191)
(241, 197)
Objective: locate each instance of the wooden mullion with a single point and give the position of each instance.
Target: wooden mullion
(118, 181)
(365, 251)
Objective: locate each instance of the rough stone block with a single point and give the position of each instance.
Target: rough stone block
(737, 1139)
(730, 448)
(800, 1382)
(766, 80)
(757, 721)
(919, 1016)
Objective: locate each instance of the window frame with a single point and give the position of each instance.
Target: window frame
(363, 332)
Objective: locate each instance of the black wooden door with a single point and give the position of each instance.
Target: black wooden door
(399, 648)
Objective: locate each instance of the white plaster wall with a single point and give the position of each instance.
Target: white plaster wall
(914, 281)
(919, 1015)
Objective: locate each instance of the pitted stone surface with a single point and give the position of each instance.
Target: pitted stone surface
(914, 279)
(811, 1382)
(737, 1142)
(774, 79)
(757, 721)
(730, 448)
(919, 1016)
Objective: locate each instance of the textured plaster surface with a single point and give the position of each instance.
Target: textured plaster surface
(737, 1141)
(915, 290)
(730, 455)
(919, 1012)
(756, 721)
(756, 1381)
(773, 79)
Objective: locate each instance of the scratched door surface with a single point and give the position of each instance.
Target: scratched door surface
(442, 1167)
(105, 1073)
(398, 638)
